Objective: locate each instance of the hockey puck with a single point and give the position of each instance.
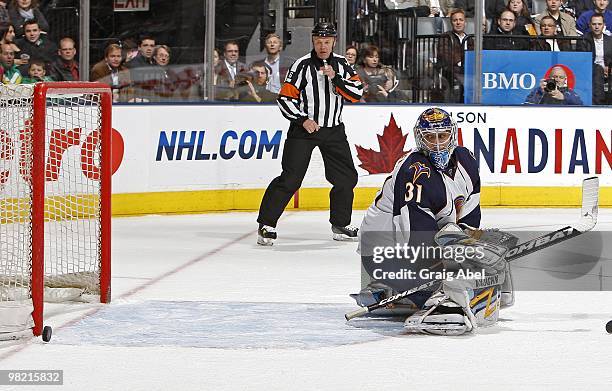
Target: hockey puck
(46, 333)
(609, 327)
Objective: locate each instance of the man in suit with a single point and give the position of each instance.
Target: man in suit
(601, 46)
(226, 71)
(277, 64)
(111, 71)
(505, 38)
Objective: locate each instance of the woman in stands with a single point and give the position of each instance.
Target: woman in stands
(166, 78)
(351, 55)
(7, 36)
(524, 23)
(22, 10)
(379, 80)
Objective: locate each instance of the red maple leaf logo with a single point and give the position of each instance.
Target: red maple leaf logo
(391, 149)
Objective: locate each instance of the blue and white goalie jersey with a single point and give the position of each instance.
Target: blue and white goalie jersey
(418, 197)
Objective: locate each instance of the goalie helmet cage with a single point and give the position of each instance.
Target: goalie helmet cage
(55, 190)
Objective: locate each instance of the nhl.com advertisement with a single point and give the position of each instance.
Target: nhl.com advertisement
(221, 147)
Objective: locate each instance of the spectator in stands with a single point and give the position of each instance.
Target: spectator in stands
(129, 46)
(378, 80)
(566, 25)
(568, 7)
(524, 23)
(227, 70)
(112, 72)
(65, 67)
(11, 74)
(216, 62)
(161, 55)
(451, 56)
(584, 21)
(252, 86)
(506, 38)
(144, 58)
(143, 70)
(584, 5)
(493, 8)
(446, 7)
(20, 11)
(554, 91)
(36, 73)
(4, 15)
(7, 35)
(37, 46)
(166, 79)
(547, 41)
(278, 65)
(600, 45)
(351, 55)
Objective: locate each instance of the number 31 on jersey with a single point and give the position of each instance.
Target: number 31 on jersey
(410, 190)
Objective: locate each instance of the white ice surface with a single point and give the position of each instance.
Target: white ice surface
(198, 306)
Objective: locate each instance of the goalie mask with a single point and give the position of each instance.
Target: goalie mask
(435, 134)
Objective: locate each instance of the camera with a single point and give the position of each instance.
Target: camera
(550, 85)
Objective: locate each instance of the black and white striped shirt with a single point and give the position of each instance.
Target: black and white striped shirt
(307, 93)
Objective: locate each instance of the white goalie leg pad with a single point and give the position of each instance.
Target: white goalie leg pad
(439, 316)
(481, 304)
(464, 303)
(456, 309)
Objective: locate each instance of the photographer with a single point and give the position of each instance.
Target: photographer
(554, 91)
(251, 86)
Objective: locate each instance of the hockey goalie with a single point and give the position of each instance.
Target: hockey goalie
(432, 200)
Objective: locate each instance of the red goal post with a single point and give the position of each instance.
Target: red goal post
(55, 198)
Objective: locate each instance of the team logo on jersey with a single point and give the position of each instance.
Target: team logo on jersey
(419, 169)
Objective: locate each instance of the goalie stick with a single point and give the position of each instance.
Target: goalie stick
(588, 219)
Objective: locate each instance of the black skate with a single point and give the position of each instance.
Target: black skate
(266, 235)
(348, 233)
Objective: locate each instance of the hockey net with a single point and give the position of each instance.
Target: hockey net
(54, 199)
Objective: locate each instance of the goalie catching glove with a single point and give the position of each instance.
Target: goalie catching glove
(462, 304)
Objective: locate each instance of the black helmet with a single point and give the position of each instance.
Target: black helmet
(324, 29)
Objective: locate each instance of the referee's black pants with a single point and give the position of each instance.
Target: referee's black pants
(339, 171)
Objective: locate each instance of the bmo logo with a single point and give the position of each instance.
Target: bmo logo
(512, 81)
(62, 145)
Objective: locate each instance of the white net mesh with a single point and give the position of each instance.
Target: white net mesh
(72, 250)
(15, 201)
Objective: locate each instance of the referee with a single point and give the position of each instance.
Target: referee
(312, 98)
